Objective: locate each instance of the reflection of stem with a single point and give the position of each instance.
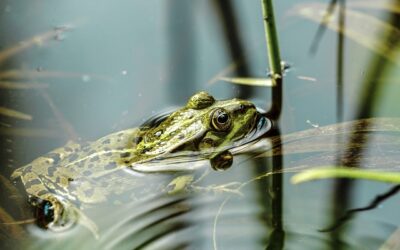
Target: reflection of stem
(322, 26)
(276, 240)
(276, 105)
(340, 61)
(181, 49)
(370, 92)
(342, 187)
(237, 192)
(277, 208)
(226, 13)
(375, 203)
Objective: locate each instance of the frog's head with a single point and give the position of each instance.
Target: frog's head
(204, 125)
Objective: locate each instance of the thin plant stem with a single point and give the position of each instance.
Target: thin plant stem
(274, 58)
(271, 39)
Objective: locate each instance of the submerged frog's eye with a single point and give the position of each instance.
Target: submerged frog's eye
(44, 213)
(220, 120)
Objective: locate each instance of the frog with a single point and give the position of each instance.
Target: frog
(67, 179)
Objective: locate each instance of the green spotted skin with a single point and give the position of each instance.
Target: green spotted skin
(90, 173)
(71, 171)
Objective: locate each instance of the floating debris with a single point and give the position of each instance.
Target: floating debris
(263, 82)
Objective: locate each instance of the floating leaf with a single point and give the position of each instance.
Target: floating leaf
(263, 82)
(22, 85)
(14, 114)
(345, 172)
(364, 29)
(307, 78)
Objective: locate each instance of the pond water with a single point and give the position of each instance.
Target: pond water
(80, 70)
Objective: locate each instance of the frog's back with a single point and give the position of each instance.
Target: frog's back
(64, 169)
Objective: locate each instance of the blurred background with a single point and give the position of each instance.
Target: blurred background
(82, 69)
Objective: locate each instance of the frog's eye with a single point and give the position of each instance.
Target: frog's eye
(220, 120)
(44, 213)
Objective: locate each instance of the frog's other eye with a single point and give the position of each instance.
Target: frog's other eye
(220, 120)
(200, 100)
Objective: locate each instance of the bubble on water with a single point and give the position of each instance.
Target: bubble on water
(315, 125)
(124, 72)
(286, 66)
(140, 95)
(86, 78)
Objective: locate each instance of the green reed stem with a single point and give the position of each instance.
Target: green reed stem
(271, 39)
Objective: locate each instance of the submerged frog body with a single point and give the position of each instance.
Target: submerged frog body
(87, 174)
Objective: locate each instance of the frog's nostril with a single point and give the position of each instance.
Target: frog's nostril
(243, 107)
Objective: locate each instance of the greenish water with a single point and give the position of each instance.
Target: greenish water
(110, 65)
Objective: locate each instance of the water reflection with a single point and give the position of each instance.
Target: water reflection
(65, 184)
(169, 210)
(211, 209)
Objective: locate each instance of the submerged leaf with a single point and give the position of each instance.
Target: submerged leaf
(35, 40)
(263, 82)
(22, 85)
(364, 29)
(345, 172)
(8, 226)
(14, 114)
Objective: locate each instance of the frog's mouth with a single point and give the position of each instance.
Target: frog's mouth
(191, 160)
(260, 127)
